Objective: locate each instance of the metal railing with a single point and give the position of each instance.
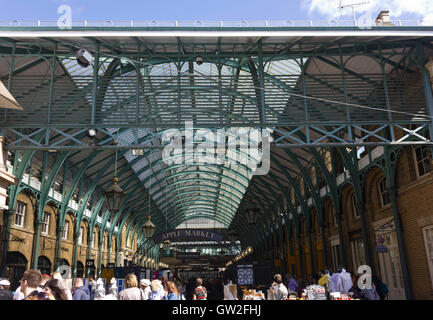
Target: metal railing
(361, 23)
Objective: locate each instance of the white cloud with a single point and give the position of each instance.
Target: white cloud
(328, 9)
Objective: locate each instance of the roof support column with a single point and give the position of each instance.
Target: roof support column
(310, 247)
(392, 191)
(322, 235)
(100, 245)
(45, 189)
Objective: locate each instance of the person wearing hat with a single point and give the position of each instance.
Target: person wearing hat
(145, 288)
(5, 292)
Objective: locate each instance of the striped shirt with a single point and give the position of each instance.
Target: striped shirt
(200, 293)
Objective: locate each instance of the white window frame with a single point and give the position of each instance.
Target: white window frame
(80, 237)
(428, 255)
(383, 192)
(20, 214)
(65, 230)
(418, 161)
(46, 223)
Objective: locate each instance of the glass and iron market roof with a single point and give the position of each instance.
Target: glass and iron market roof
(148, 81)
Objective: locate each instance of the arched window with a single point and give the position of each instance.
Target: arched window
(383, 193)
(64, 262)
(20, 214)
(65, 230)
(80, 269)
(44, 265)
(16, 264)
(354, 208)
(80, 237)
(423, 160)
(46, 223)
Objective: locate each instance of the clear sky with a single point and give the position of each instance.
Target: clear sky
(208, 9)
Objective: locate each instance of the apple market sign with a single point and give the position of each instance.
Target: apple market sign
(188, 234)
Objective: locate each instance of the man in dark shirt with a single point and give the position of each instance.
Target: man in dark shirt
(5, 292)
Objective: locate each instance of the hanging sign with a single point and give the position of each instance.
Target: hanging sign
(381, 248)
(188, 255)
(90, 263)
(188, 234)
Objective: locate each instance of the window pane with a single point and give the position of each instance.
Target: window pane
(19, 214)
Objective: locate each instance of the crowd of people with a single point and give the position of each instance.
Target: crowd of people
(341, 281)
(36, 286)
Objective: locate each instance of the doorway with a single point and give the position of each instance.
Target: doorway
(16, 265)
(389, 261)
(44, 265)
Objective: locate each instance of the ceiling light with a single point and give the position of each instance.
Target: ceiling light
(84, 58)
(137, 152)
(91, 133)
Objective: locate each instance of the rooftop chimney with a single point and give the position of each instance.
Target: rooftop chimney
(383, 19)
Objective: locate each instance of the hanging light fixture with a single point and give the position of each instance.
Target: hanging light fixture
(251, 212)
(166, 245)
(114, 195)
(148, 228)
